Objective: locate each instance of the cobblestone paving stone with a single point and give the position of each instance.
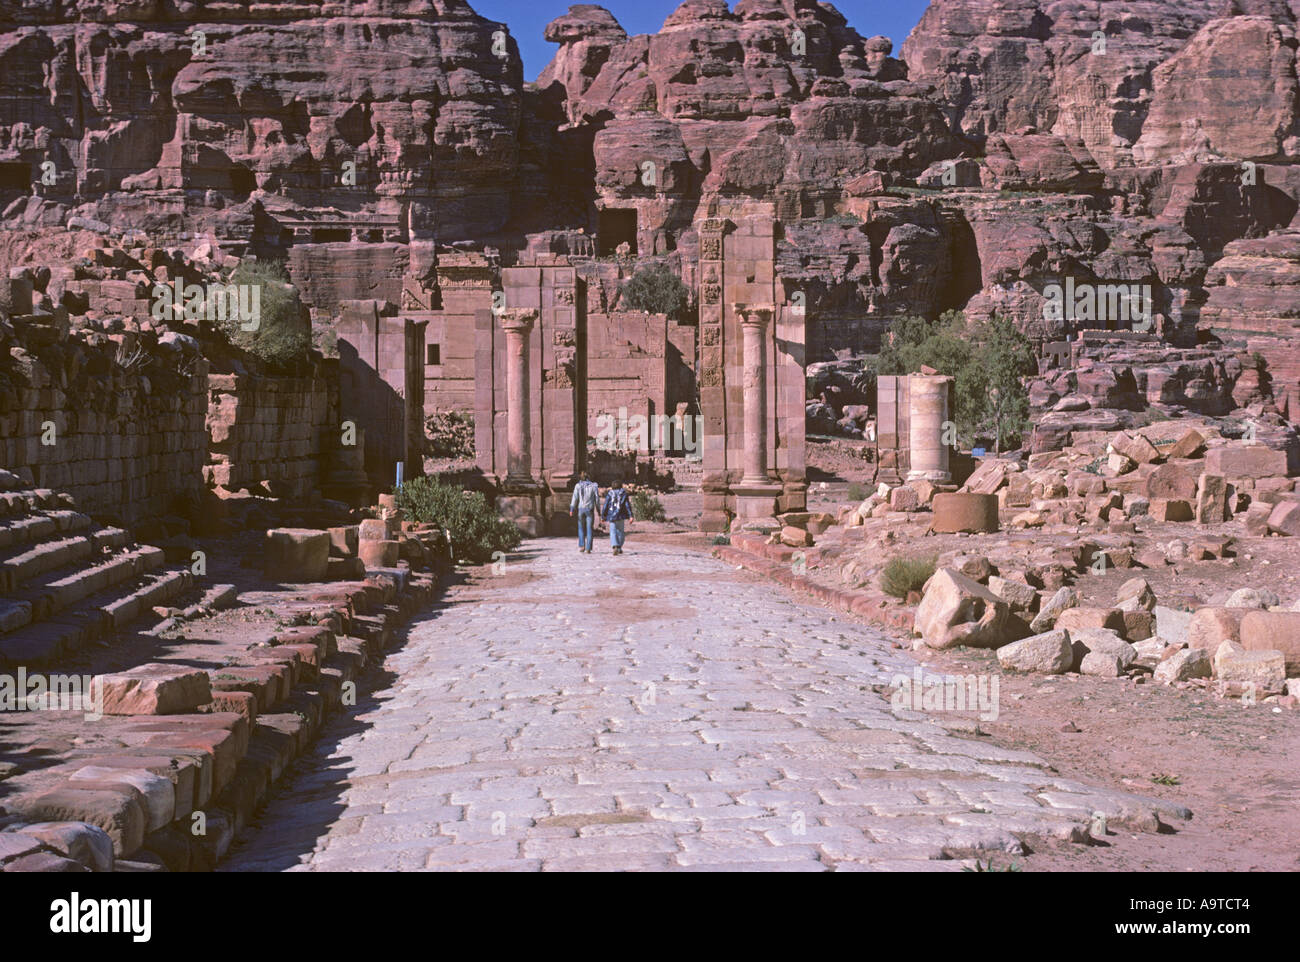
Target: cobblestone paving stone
(655, 711)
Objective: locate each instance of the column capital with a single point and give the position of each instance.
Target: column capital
(520, 319)
(755, 315)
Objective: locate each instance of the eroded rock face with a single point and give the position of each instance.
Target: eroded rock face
(247, 107)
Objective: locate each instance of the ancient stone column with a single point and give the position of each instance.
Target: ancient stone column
(927, 415)
(518, 324)
(754, 321)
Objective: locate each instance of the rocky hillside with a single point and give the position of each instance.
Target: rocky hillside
(1014, 145)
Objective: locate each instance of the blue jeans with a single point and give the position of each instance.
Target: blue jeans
(616, 533)
(586, 529)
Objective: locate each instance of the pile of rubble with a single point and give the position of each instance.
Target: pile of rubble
(1247, 647)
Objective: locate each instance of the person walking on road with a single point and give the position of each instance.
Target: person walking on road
(617, 510)
(586, 494)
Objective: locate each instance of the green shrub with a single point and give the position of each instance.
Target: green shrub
(655, 289)
(282, 338)
(477, 531)
(858, 493)
(646, 507)
(904, 575)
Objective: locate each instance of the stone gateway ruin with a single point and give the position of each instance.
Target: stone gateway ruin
(983, 336)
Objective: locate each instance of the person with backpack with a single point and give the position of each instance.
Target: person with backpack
(617, 510)
(586, 494)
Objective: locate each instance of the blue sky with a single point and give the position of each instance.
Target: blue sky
(528, 18)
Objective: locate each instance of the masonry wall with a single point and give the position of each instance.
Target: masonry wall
(627, 365)
(272, 430)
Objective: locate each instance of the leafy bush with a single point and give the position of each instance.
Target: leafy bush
(646, 507)
(282, 338)
(477, 531)
(450, 434)
(858, 493)
(655, 289)
(904, 575)
(989, 363)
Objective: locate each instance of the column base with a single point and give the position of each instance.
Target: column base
(937, 477)
(756, 502)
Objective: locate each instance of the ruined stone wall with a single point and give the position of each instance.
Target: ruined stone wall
(273, 431)
(124, 454)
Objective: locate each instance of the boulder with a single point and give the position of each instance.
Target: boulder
(958, 611)
(1049, 653)
(1139, 625)
(1252, 598)
(1210, 627)
(1184, 665)
(1050, 610)
(1100, 651)
(1017, 594)
(1284, 519)
(1273, 630)
(1076, 619)
(1174, 480)
(1172, 624)
(1211, 499)
(1135, 593)
(296, 555)
(1246, 461)
(1171, 510)
(1190, 445)
(1266, 670)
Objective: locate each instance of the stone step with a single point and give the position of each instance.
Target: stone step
(16, 532)
(21, 566)
(98, 617)
(58, 590)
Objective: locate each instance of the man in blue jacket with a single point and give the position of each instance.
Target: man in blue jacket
(583, 504)
(617, 510)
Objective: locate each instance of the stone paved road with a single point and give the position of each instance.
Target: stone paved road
(654, 711)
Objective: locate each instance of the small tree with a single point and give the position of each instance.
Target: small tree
(656, 289)
(1003, 359)
(282, 337)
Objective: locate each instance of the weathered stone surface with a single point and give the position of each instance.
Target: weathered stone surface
(1273, 630)
(1050, 611)
(1266, 670)
(1020, 596)
(1077, 619)
(1184, 665)
(380, 554)
(152, 689)
(1172, 624)
(958, 611)
(1245, 461)
(1100, 651)
(1135, 593)
(974, 513)
(296, 555)
(120, 815)
(156, 794)
(87, 844)
(1049, 653)
(1211, 627)
(1211, 499)
(1284, 519)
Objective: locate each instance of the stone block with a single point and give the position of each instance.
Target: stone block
(120, 815)
(380, 554)
(296, 555)
(1246, 461)
(152, 689)
(1079, 619)
(1049, 653)
(1284, 519)
(1171, 510)
(960, 512)
(1266, 669)
(1273, 631)
(1211, 499)
(958, 611)
(343, 541)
